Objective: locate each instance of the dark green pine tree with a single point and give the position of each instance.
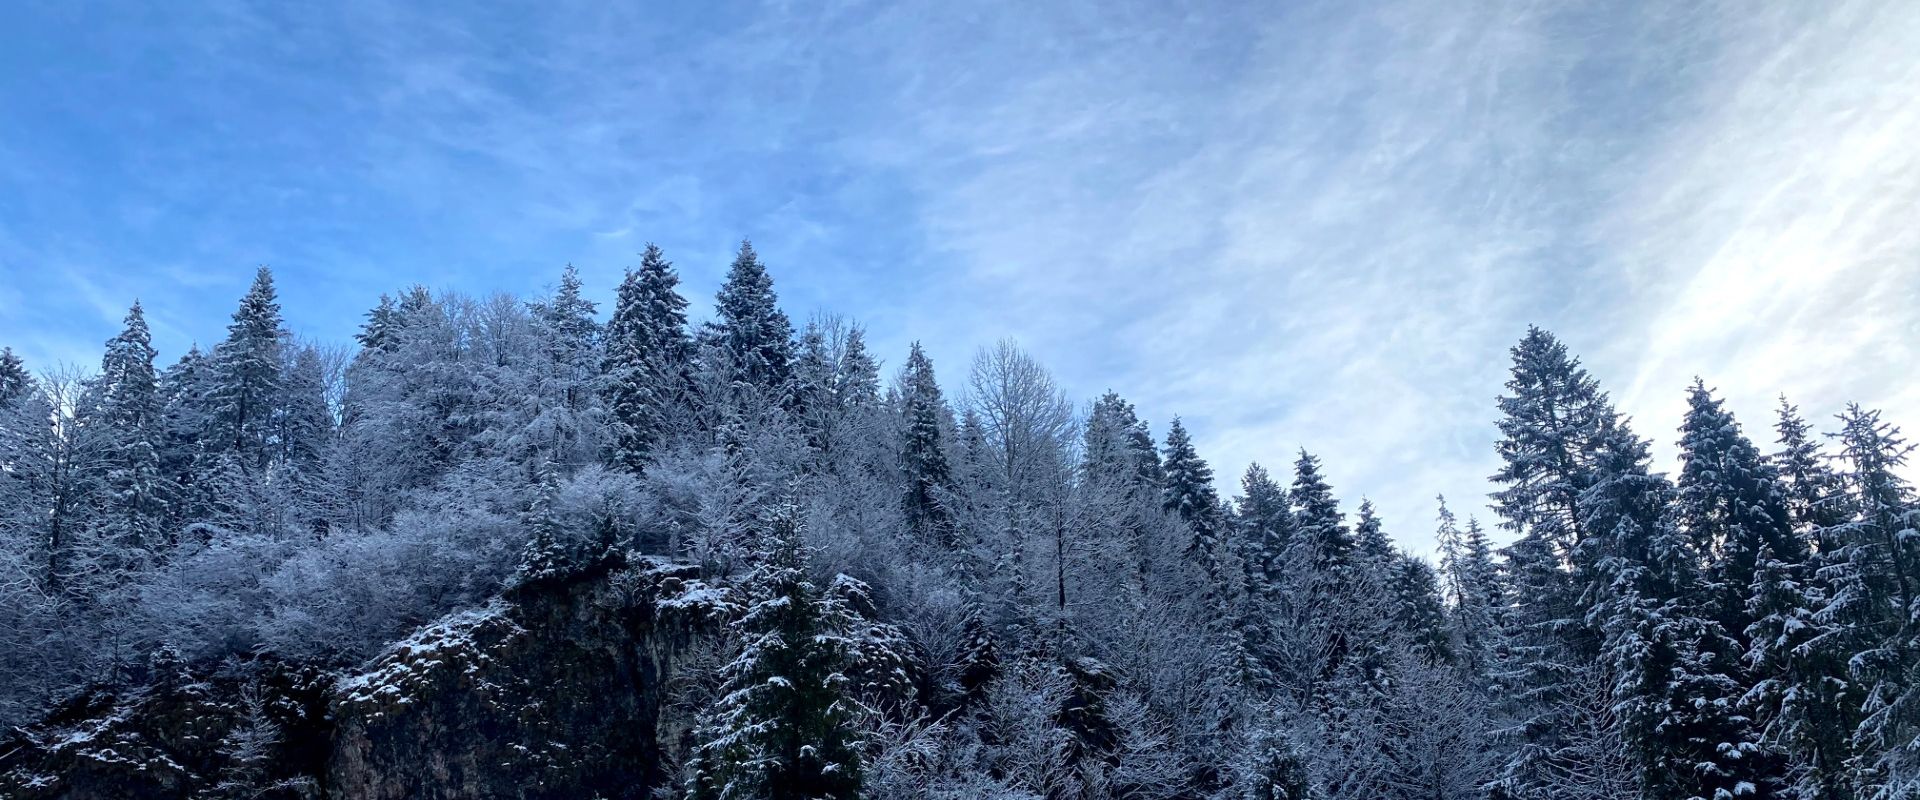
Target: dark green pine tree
(1731, 505)
(1419, 612)
(923, 454)
(14, 379)
(1816, 498)
(751, 328)
(1674, 668)
(246, 377)
(187, 455)
(1319, 528)
(645, 354)
(782, 728)
(126, 411)
(1874, 579)
(543, 558)
(1803, 693)
(1188, 492)
(1371, 545)
(1803, 696)
(1265, 527)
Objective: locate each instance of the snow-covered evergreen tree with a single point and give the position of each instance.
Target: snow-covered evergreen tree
(1550, 420)
(1730, 505)
(1265, 527)
(1372, 548)
(1472, 589)
(125, 408)
(782, 728)
(1874, 575)
(751, 327)
(1675, 670)
(246, 377)
(1189, 494)
(645, 351)
(1319, 528)
(14, 379)
(543, 558)
(923, 452)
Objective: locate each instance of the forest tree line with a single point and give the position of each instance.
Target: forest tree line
(986, 590)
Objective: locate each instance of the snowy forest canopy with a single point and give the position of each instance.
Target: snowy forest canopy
(982, 590)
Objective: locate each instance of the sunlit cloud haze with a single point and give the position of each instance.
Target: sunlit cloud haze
(1310, 225)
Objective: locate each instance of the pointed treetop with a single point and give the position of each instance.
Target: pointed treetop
(13, 377)
(1371, 540)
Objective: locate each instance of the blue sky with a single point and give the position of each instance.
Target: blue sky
(1310, 224)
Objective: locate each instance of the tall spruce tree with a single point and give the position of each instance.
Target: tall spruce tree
(1319, 528)
(1375, 550)
(126, 410)
(1730, 505)
(923, 453)
(1816, 499)
(1874, 575)
(751, 328)
(1551, 417)
(246, 377)
(646, 349)
(1674, 668)
(1265, 526)
(567, 320)
(1189, 494)
(187, 453)
(1803, 694)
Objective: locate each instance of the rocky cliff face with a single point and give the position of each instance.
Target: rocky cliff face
(554, 690)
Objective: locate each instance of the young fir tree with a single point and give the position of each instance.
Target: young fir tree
(567, 320)
(923, 453)
(782, 728)
(14, 380)
(246, 377)
(1874, 575)
(1419, 614)
(1371, 545)
(1319, 529)
(186, 454)
(1815, 496)
(1802, 692)
(1188, 492)
(645, 352)
(1473, 591)
(1273, 768)
(543, 558)
(1118, 447)
(751, 328)
(1265, 526)
(1802, 696)
(126, 410)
